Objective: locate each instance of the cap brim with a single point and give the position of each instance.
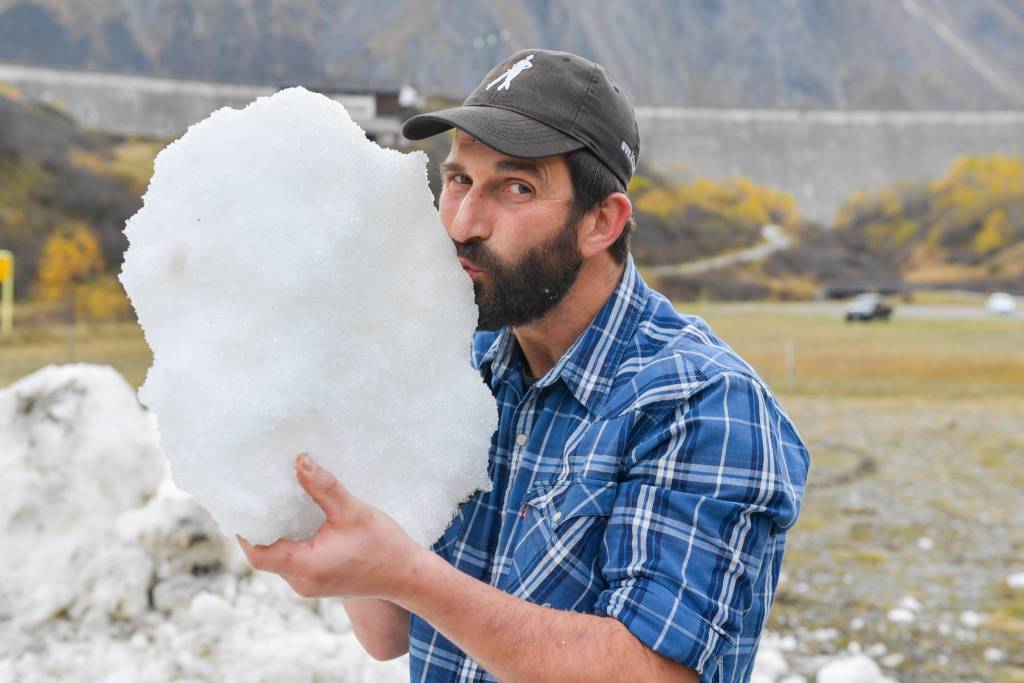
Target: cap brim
(505, 130)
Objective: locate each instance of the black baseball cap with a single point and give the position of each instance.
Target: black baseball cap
(540, 103)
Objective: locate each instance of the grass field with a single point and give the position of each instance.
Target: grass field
(117, 344)
(916, 432)
(800, 351)
(952, 358)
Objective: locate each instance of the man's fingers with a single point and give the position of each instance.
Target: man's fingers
(279, 558)
(322, 487)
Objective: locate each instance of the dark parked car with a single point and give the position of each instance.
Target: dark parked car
(868, 307)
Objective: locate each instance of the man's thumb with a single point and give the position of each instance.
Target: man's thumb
(325, 490)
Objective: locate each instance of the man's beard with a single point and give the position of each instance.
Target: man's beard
(518, 293)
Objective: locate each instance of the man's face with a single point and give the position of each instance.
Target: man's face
(511, 223)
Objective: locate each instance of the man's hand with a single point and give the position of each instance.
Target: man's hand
(359, 551)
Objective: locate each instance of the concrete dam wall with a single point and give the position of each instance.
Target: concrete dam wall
(160, 107)
(820, 157)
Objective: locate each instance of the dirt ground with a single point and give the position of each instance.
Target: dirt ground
(917, 505)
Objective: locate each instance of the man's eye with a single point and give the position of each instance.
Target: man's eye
(459, 178)
(520, 188)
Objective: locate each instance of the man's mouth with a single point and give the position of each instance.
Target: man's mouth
(470, 269)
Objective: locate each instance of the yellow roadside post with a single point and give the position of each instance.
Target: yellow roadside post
(6, 290)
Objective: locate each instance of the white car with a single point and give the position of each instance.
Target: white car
(1001, 303)
(866, 307)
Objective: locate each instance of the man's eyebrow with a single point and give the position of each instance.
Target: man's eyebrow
(506, 165)
(451, 167)
(522, 166)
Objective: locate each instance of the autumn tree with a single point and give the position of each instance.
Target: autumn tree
(70, 258)
(967, 226)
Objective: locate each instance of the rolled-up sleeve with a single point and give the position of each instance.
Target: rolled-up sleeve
(709, 482)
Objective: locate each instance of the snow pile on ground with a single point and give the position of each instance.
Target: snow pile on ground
(110, 574)
(299, 294)
(76, 450)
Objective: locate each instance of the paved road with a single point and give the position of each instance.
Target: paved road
(774, 240)
(834, 309)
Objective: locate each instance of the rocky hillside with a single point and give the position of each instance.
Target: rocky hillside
(962, 231)
(917, 54)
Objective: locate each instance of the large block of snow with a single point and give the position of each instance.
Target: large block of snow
(299, 294)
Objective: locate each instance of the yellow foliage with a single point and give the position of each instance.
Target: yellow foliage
(995, 233)
(658, 201)
(975, 184)
(71, 256)
(737, 201)
(1002, 175)
(638, 184)
(972, 206)
(892, 207)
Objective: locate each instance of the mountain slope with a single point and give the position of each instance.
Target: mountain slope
(917, 54)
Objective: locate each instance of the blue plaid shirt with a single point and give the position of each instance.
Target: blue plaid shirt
(649, 476)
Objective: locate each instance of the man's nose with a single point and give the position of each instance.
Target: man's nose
(472, 218)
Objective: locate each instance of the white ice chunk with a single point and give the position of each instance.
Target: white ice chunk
(971, 619)
(299, 294)
(856, 668)
(911, 603)
(901, 615)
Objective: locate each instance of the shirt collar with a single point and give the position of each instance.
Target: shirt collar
(588, 367)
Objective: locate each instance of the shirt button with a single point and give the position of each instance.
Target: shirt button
(521, 440)
(557, 516)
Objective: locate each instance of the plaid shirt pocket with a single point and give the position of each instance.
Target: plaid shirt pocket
(555, 552)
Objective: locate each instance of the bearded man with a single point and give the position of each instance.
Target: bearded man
(644, 476)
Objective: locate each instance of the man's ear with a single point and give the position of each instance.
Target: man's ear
(604, 223)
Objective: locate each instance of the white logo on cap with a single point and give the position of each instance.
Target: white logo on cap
(629, 155)
(517, 68)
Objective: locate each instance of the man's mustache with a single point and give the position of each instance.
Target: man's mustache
(477, 253)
